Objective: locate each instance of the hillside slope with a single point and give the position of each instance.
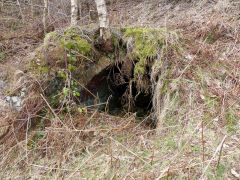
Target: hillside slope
(198, 131)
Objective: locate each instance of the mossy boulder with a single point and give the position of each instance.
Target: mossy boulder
(145, 46)
(69, 50)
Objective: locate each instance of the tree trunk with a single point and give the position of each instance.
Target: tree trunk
(79, 4)
(74, 12)
(105, 33)
(45, 13)
(103, 20)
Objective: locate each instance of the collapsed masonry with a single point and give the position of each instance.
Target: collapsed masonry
(72, 66)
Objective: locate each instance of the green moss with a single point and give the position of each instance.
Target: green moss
(115, 41)
(82, 45)
(165, 87)
(220, 171)
(50, 37)
(140, 67)
(58, 45)
(72, 40)
(43, 69)
(2, 55)
(73, 32)
(146, 43)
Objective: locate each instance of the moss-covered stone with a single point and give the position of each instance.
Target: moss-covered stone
(68, 55)
(73, 54)
(73, 39)
(146, 43)
(50, 37)
(59, 45)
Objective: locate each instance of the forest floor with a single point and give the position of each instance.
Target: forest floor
(110, 147)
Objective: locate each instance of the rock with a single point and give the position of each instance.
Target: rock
(15, 102)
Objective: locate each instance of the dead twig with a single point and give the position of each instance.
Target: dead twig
(129, 150)
(56, 116)
(203, 150)
(220, 153)
(214, 155)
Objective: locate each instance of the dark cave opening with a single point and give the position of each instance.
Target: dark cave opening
(113, 90)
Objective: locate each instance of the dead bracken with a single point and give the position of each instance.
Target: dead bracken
(159, 100)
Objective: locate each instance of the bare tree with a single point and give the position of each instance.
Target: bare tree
(79, 4)
(74, 12)
(105, 33)
(45, 13)
(103, 19)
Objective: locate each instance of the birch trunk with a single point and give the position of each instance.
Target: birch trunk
(45, 13)
(74, 12)
(103, 19)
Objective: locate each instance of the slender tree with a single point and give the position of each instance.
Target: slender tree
(74, 12)
(45, 13)
(103, 17)
(79, 4)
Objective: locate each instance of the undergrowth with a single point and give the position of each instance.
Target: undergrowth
(194, 80)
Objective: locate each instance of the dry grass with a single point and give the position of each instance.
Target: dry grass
(200, 109)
